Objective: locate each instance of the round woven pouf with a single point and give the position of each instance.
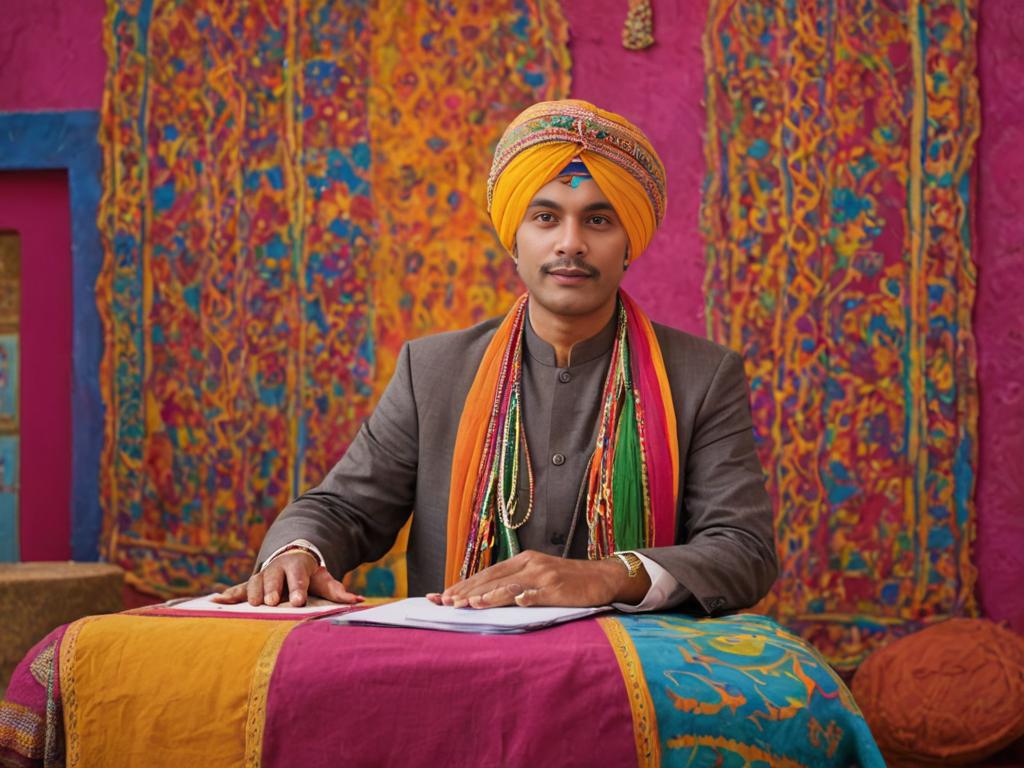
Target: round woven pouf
(38, 597)
(951, 694)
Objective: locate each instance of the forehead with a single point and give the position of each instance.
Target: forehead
(586, 194)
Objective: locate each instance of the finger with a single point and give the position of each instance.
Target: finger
(434, 597)
(273, 581)
(490, 577)
(529, 597)
(497, 597)
(527, 567)
(323, 584)
(254, 589)
(485, 579)
(297, 576)
(231, 595)
(469, 593)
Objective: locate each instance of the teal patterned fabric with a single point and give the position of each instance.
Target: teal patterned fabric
(742, 691)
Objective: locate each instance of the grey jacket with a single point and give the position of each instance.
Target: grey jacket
(401, 460)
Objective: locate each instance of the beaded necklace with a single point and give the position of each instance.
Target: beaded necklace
(618, 506)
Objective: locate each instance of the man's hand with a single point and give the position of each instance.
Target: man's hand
(294, 574)
(533, 578)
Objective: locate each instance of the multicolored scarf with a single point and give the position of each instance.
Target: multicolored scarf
(632, 477)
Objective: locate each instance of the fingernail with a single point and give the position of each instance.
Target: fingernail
(296, 595)
(272, 598)
(461, 603)
(476, 601)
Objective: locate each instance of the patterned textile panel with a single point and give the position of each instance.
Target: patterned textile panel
(837, 219)
(31, 713)
(280, 188)
(738, 690)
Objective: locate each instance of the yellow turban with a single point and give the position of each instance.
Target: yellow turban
(542, 140)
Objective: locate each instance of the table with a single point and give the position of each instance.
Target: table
(149, 687)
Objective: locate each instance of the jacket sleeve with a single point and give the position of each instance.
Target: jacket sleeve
(355, 514)
(727, 560)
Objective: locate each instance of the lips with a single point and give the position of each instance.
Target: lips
(569, 277)
(568, 273)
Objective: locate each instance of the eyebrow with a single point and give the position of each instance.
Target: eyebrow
(600, 205)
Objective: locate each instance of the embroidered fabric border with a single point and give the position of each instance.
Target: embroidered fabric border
(256, 718)
(645, 725)
(70, 693)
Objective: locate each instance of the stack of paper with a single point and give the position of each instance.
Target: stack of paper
(420, 613)
(315, 606)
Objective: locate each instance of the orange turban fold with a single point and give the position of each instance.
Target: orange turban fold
(542, 140)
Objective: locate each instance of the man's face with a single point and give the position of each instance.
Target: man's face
(571, 246)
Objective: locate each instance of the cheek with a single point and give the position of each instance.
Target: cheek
(527, 234)
(532, 244)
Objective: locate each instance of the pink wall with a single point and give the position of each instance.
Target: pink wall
(999, 323)
(35, 204)
(56, 62)
(52, 55)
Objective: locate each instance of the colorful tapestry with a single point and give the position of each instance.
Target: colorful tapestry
(837, 217)
(660, 689)
(291, 190)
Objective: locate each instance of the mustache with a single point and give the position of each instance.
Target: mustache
(574, 264)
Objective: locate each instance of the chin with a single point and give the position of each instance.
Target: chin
(568, 306)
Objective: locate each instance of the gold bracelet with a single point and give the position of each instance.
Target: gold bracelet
(629, 559)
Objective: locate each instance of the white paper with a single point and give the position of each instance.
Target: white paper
(313, 605)
(420, 613)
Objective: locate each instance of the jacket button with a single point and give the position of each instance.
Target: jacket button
(558, 459)
(565, 377)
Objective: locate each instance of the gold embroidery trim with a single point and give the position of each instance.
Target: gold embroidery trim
(68, 691)
(645, 724)
(256, 718)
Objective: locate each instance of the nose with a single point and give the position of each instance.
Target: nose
(571, 241)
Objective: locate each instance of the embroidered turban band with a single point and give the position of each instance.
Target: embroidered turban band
(544, 138)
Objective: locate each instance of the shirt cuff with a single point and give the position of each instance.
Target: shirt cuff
(297, 543)
(665, 591)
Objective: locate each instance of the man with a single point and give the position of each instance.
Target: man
(572, 453)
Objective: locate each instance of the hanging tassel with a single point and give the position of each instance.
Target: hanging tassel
(638, 31)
